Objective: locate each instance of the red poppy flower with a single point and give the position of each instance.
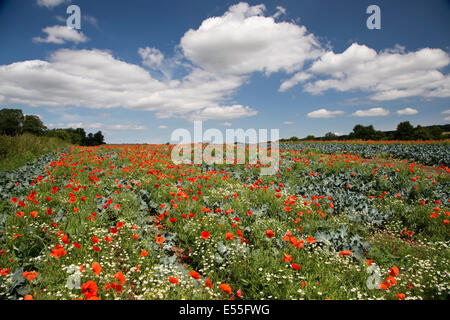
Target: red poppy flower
(295, 266)
(225, 288)
(58, 252)
(208, 283)
(97, 268)
(30, 275)
(159, 240)
(4, 272)
(205, 234)
(194, 274)
(394, 271)
(287, 258)
(120, 277)
(229, 236)
(269, 233)
(174, 280)
(89, 289)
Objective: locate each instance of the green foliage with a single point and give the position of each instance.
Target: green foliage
(404, 131)
(34, 125)
(77, 136)
(421, 133)
(366, 133)
(11, 121)
(17, 150)
(330, 136)
(426, 153)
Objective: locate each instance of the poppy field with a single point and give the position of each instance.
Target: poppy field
(336, 221)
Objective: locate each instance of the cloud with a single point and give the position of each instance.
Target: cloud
(61, 34)
(51, 3)
(96, 79)
(99, 126)
(324, 113)
(218, 58)
(243, 41)
(162, 127)
(407, 112)
(61, 19)
(372, 112)
(91, 20)
(446, 112)
(228, 112)
(387, 75)
(280, 11)
(227, 124)
(288, 122)
(297, 78)
(151, 57)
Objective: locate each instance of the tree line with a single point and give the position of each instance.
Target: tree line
(405, 131)
(13, 122)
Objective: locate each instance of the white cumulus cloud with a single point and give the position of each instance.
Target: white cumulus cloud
(51, 3)
(61, 34)
(297, 78)
(243, 41)
(387, 75)
(151, 57)
(280, 11)
(372, 112)
(407, 112)
(96, 79)
(218, 113)
(324, 113)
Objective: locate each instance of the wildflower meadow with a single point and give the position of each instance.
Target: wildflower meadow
(337, 220)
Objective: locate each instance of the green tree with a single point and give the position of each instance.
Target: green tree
(310, 137)
(330, 136)
(421, 133)
(436, 132)
(11, 121)
(404, 131)
(34, 125)
(364, 132)
(99, 138)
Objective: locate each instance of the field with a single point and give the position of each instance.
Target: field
(337, 221)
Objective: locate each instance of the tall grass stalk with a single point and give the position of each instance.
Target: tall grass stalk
(18, 150)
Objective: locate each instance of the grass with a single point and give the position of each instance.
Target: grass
(18, 150)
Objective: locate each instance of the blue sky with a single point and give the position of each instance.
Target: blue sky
(139, 69)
